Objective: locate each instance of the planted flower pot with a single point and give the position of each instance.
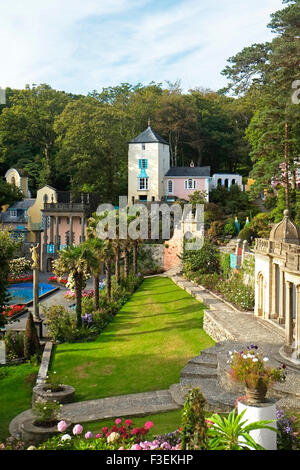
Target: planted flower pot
(34, 431)
(60, 393)
(257, 394)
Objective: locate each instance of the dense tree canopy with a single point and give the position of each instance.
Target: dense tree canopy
(81, 142)
(267, 74)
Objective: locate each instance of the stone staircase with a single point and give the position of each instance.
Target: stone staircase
(203, 371)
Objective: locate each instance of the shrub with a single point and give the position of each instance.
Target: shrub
(246, 234)
(234, 290)
(260, 225)
(288, 430)
(210, 281)
(204, 261)
(31, 341)
(215, 229)
(14, 344)
(229, 229)
(47, 412)
(193, 424)
(225, 265)
(18, 266)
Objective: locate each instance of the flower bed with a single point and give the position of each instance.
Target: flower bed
(58, 280)
(121, 436)
(19, 279)
(10, 312)
(70, 295)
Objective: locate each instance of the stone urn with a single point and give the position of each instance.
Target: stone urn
(30, 432)
(62, 394)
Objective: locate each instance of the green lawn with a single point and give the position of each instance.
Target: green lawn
(16, 384)
(145, 347)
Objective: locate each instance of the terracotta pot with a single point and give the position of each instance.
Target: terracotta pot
(257, 394)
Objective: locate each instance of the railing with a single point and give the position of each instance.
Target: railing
(288, 252)
(35, 226)
(66, 206)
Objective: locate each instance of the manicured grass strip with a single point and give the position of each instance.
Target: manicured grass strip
(163, 423)
(145, 347)
(15, 393)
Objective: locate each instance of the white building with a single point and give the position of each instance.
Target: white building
(227, 180)
(148, 162)
(150, 177)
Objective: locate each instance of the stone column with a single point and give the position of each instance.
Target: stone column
(297, 326)
(51, 229)
(274, 311)
(56, 231)
(288, 317)
(45, 242)
(82, 228)
(71, 230)
(281, 318)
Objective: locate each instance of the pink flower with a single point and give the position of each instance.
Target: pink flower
(98, 436)
(88, 435)
(77, 429)
(134, 431)
(128, 422)
(148, 425)
(62, 426)
(136, 447)
(118, 421)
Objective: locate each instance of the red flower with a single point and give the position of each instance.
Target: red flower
(134, 431)
(105, 430)
(128, 422)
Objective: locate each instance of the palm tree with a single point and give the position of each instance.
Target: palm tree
(96, 260)
(74, 260)
(103, 250)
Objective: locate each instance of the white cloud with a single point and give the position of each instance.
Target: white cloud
(84, 45)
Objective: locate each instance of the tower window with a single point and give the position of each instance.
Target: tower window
(143, 146)
(143, 163)
(142, 184)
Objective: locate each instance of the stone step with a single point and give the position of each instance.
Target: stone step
(217, 400)
(177, 394)
(205, 359)
(198, 370)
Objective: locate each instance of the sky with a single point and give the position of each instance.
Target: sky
(83, 45)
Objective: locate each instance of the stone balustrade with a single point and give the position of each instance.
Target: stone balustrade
(289, 253)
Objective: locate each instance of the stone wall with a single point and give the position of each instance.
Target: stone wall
(172, 251)
(216, 331)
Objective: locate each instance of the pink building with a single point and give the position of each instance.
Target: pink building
(181, 182)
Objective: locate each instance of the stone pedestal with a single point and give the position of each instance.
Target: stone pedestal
(261, 412)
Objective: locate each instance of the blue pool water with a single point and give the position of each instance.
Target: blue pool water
(23, 293)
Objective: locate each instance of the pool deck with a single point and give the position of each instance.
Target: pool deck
(56, 298)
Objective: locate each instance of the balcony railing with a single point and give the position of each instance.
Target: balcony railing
(287, 252)
(66, 207)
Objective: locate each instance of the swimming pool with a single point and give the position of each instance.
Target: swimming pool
(23, 293)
